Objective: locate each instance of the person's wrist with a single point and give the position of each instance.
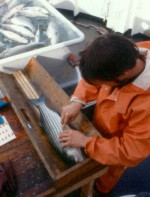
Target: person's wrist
(76, 104)
(85, 141)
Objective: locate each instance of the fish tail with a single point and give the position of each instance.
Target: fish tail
(38, 101)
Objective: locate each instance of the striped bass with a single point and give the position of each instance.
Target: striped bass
(22, 21)
(5, 2)
(3, 10)
(12, 12)
(51, 123)
(53, 32)
(18, 29)
(2, 4)
(13, 36)
(36, 38)
(32, 13)
(12, 4)
(37, 9)
(22, 49)
(2, 46)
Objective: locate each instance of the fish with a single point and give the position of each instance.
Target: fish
(12, 4)
(13, 36)
(18, 29)
(33, 13)
(3, 10)
(22, 48)
(7, 1)
(12, 12)
(51, 122)
(53, 32)
(2, 4)
(22, 21)
(37, 9)
(36, 38)
(2, 46)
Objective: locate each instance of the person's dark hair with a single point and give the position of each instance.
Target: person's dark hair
(107, 58)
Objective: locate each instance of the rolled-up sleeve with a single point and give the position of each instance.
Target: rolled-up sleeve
(85, 92)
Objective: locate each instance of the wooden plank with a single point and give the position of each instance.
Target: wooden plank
(87, 190)
(53, 192)
(73, 175)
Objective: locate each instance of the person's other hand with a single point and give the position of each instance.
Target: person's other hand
(73, 138)
(70, 112)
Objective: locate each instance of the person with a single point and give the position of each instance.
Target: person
(116, 74)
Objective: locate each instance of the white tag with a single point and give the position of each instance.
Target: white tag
(6, 133)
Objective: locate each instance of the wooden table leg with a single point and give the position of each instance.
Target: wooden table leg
(87, 190)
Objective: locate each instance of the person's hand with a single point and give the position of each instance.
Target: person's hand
(70, 112)
(73, 138)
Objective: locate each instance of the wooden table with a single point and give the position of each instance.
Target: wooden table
(39, 169)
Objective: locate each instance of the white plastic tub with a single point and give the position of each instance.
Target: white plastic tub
(59, 51)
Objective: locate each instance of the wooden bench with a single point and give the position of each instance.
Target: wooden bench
(36, 163)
